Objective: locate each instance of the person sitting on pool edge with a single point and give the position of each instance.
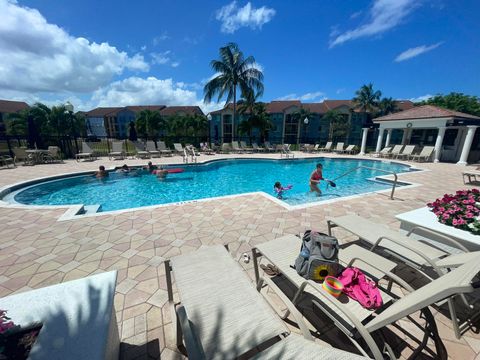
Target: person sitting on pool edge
(279, 189)
(101, 173)
(315, 179)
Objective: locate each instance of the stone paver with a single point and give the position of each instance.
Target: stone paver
(37, 250)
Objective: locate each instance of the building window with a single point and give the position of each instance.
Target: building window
(291, 130)
(227, 128)
(450, 136)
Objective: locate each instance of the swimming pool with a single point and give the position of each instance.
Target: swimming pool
(213, 179)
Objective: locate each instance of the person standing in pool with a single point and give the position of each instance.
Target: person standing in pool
(101, 173)
(150, 167)
(315, 179)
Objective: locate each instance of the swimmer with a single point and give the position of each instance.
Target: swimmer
(101, 173)
(279, 189)
(315, 179)
(124, 169)
(161, 173)
(150, 167)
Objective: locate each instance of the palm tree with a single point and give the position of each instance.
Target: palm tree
(261, 120)
(246, 127)
(149, 123)
(16, 123)
(339, 126)
(248, 101)
(233, 71)
(366, 98)
(386, 106)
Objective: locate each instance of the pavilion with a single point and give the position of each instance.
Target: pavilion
(452, 133)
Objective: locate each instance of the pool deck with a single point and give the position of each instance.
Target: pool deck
(37, 250)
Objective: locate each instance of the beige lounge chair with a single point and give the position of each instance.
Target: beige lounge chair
(471, 174)
(152, 150)
(140, 151)
(286, 152)
(350, 149)
(86, 153)
(269, 146)
(6, 160)
(339, 147)
(53, 155)
(206, 149)
(397, 149)
(257, 148)
(350, 317)
(407, 152)
(117, 151)
(236, 148)
(384, 152)
(327, 147)
(245, 147)
(425, 154)
(221, 316)
(226, 148)
(179, 149)
(315, 148)
(162, 148)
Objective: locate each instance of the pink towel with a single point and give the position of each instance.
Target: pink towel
(359, 288)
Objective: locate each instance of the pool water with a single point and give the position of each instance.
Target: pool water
(217, 178)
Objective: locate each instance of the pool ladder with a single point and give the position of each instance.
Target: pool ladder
(189, 152)
(394, 185)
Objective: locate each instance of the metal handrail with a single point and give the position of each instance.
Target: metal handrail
(371, 168)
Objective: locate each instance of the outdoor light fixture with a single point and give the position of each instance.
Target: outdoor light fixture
(305, 121)
(69, 107)
(209, 117)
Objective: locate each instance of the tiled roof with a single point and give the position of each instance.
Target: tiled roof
(189, 110)
(404, 104)
(319, 108)
(280, 106)
(7, 106)
(145, 107)
(333, 104)
(425, 112)
(102, 111)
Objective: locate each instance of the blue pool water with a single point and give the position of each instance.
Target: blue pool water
(218, 178)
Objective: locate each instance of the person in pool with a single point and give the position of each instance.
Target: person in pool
(150, 167)
(101, 173)
(279, 189)
(161, 173)
(124, 169)
(315, 179)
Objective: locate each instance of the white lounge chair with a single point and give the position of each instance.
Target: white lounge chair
(140, 151)
(315, 148)
(162, 148)
(269, 147)
(339, 147)
(425, 154)
(349, 316)
(87, 152)
(152, 150)
(221, 316)
(286, 152)
(258, 148)
(179, 149)
(471, 174)
(350, 149)
(226, 148)
(384, 152)
(245, 147)
(397, 149)
(327, 147)
(236, 148)
(117, 151)
(407, 152)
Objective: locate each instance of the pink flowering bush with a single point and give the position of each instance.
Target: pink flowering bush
(459, 210)
(5, 322)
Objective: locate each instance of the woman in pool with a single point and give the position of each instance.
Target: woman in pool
(315, 179)
(279, 189)
(161, 173)
(101, 173)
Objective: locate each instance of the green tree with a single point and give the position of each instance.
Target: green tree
(16, 123)
(149, 123)
(233, 71)
(261, 120)
(455, 101)
(386, 106)
(366, 98)
(246, 127)
(339, 125)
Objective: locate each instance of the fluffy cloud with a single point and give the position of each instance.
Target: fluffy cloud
(383, 16)
(232, 17)
(413, 52)
(421, 98)
(312, 96)
(42, 57)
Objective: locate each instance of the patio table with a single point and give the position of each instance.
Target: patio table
(36, 155)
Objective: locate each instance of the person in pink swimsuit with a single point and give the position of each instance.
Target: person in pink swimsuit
(315, 179)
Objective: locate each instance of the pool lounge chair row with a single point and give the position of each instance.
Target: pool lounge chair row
(339, 148)
(406, 152)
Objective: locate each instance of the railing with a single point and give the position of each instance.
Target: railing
(371, 168)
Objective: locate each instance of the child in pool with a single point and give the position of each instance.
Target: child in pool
(279, 189)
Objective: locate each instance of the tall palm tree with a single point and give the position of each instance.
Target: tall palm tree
(339, 126)
(386, 106)
(233, 71)
(261, 120)
(366, 98)
(149, 123)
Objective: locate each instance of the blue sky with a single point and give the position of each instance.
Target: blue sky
(113, 53)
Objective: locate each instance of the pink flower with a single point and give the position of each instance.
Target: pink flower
(446, 216)
(469, 215)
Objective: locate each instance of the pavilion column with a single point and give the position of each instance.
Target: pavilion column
(364, 141)
(438, 143)
(379, 140)
(467, 145)
(405, 136)
(389, 136)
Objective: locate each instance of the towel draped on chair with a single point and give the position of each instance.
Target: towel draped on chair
(358, 287)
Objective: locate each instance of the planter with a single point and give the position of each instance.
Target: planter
(425, 218)
(16, 343)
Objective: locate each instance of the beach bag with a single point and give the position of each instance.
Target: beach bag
(318, 256)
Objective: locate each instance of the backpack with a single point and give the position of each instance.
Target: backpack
(318, 256)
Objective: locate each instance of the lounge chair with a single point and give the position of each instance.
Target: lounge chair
(244, 147)
(225, 148)
(286, 152)
(257, 148)
(206, 149)
(471, 174)
(425, 154)
(315, 148)
(339, 147)
(422, 255)
(268, 146)
(152, 150)
(236, 148)
(7, 160)
(350, 149)
(141, 153)
(162, 148)
(305, 147)
(52, 155)
(407, 152)
(179, 149)
(384, 152)
(117, 151)
(220, 314)
(350, 317)
(397, 149)
(86, 153)
(327, 147)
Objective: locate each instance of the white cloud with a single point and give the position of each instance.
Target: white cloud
(316, 96)
(42, 57)
(413, 52)
(341, 90)
(356, 14)
(175, 64)
(422, 98)
(158, 39)
(164, 58)
(383, 16)
(232, 17)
